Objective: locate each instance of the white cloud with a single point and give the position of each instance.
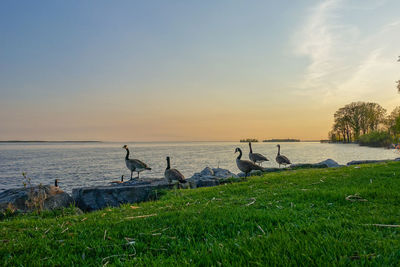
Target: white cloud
(346, 61)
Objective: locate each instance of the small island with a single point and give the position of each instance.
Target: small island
(247, 140)
(282, 140)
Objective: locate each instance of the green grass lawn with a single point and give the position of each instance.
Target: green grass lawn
(290, 218)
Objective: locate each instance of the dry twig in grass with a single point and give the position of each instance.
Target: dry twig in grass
(383, 225)
(253, 200)
(259, 227)
(141, 216)
(354, 198)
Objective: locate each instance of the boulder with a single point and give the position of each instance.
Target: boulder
(330, 163)
(207, 171)
(18, 198)
(210, 177)
(223, 173)
(99, 197)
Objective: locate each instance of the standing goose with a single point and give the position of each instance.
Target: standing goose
(173, 174)
(281, 159)
(134, 165)
(246, 166)
(256, 157)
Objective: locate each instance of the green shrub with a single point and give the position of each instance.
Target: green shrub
(376, 139)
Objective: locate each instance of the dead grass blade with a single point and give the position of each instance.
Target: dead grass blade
(141, 216)
(383, 225)
(253, 200)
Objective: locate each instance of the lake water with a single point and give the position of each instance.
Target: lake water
(86, 164)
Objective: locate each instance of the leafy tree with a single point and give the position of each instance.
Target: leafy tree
(393, 121)
(357, 118)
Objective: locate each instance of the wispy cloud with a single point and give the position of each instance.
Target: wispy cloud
(345, 60)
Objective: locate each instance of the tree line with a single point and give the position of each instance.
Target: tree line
(361, 121)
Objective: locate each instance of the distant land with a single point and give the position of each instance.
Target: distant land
(38, 141)
(247, 140)
(282, 140)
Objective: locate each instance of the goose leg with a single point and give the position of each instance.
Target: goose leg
(131, 174)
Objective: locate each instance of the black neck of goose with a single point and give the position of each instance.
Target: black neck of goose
(279, 150)
(251, 150)
(240, 154)
(127, 153)
(168, 164)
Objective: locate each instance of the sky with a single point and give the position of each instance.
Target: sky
(192, 70)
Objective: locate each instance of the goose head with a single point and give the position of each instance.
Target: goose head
(125, 147)
(238, 150)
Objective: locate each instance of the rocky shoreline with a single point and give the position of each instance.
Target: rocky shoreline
(99, 197)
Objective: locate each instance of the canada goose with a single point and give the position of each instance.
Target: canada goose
(173, 174)
(256, 157)
(281, 159)
(118, 182)
(134, 165)
(246, 166)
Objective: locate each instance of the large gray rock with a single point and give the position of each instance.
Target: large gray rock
(17, 198)
(95, 198)
(330, 163)
(223, 173)
(210, 177)
(207, 171)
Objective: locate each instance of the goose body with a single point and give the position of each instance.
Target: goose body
(171, 175)
(246, 166)
(281, 159)
(134, 165)
(256, 157)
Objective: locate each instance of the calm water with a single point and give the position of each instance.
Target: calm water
(85, 164)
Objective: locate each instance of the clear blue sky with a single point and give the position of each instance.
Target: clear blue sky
(186, 70)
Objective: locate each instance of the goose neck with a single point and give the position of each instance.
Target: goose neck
(240, 154)
(127, 154)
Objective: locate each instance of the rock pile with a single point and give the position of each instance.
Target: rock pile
(23, 199)
(210, 177)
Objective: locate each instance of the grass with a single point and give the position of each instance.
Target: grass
(292, 218)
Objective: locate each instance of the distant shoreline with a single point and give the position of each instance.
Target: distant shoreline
(33, 141)
(281, 140)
